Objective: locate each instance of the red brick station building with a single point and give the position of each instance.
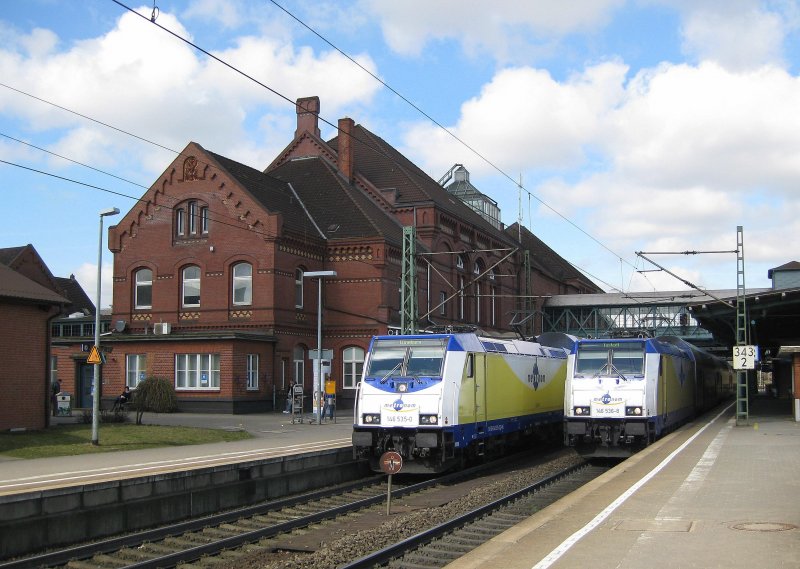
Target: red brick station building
(208, 267)
(209, 287)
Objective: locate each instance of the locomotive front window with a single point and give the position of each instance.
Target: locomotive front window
(629, 360)
(425, 361)
(590, 360)
(414, 358)
(610, 358)
(385, 361)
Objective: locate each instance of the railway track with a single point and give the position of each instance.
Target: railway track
(197, 539)
(439, 545)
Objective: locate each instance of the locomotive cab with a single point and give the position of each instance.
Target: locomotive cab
(399, 403)
(609, 396)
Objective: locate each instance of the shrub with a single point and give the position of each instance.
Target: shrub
(154, 394)
(106, 416)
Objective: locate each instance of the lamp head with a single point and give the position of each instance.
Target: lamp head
(111, 211)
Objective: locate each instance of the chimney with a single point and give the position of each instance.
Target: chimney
(346, 147)
(307, 116)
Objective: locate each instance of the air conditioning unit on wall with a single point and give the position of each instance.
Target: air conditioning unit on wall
(161, 328)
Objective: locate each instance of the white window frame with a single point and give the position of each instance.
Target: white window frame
(192, 369)
(192, 218)
(184, 280)
(141, 284)
(252, 371)
(352, 366)
(204, 219)
(442, 303)
(135, 369)
(53, 369)
(244, 282)
(299, 364)
(180, 221)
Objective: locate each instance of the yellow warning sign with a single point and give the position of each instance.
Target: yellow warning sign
(94, 356)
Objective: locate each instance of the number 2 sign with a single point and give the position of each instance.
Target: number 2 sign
(744, 357)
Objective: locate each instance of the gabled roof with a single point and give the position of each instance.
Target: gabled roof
(73, 291)
(548, 261)
(790, 266)
(275, 195)
(340, 210)
(15, 286)
(387, 169)
(8, 254)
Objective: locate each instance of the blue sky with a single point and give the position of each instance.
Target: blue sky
(649, 125)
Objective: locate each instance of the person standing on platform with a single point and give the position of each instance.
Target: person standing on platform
(55, 389)
(330, 398)
(289, 397)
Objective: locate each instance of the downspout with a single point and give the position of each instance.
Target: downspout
(48, 412)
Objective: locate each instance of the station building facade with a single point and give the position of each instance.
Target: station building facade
(209, 285)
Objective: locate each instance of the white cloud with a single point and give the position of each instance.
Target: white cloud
(524, 119)
(501, 28)
(737, 40)
(144, 81)
(704, 125)
(736, 34)
(226, 12)
(86, 275)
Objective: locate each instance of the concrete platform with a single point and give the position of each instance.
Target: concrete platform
(712, 494)
(274, 434)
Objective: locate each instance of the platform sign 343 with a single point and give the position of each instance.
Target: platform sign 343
(744, 357)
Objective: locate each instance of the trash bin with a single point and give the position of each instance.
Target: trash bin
(64, 405)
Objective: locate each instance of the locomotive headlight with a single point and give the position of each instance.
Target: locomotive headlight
(428, 419)
(402, 387)
(371, 419)
(636, 411)
(582, 411)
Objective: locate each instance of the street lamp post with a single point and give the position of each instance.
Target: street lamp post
(96, 378)
(318, 379)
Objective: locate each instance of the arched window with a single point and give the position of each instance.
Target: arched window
(143, 294)
(299, 356)
(243, 284)
(352, 367)
(191, 286)
(298, 288)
